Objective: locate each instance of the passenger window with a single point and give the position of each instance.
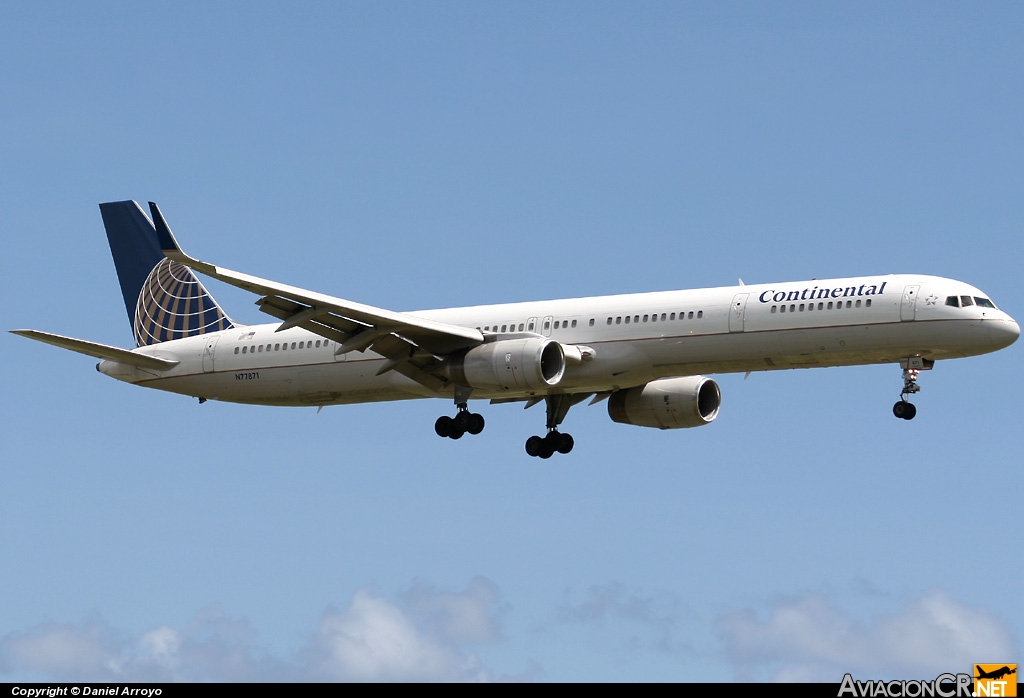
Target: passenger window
(782, 309)
(867, 303)
(609, 321)
(690, 317)
(531, 326)
(953, 301)
(245, 350)
(966, 301)
(547, 324)
(503, 327)
(672, 317)
(849, 304)
(645, 318)
(801, 307)
(574, 323)
(821, 306)
(293, 345)
(636, 318)
(618, 320)
(236, 350)
(520, 327)
(260, 349)
(830, 305)
(654, 317)
(858, 304)
(792, 308)
(700, 313)
(774, 307)
(277, 347)
(627, 319)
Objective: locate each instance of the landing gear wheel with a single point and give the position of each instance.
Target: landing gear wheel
(443, 426)
(534, 444)
(565, 443)
(904, 410)
(464, 422)
(462, 419)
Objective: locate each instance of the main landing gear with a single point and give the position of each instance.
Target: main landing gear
(464, 422)
(912, 366)
(555, 441)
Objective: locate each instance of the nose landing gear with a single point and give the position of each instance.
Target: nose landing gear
(911, 366)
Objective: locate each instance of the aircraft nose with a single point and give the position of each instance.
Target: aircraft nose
(1004, 333)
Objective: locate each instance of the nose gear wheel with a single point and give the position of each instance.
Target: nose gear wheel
(904, 409)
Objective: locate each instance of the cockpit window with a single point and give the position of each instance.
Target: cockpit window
(953, 301)
(966, 301)
(984, 302)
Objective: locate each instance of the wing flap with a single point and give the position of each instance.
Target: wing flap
(100, 351)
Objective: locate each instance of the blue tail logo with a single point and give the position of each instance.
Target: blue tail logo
(164, 299)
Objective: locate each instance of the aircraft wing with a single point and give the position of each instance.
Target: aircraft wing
(404, 339)
(100, 351)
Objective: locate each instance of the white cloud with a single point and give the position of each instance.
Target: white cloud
(468, 616)
(808, 639)
(651, 618)
(374, 640)
(88, 651)
(426, 638)
(94, 651)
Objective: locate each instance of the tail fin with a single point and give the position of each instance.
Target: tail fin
(164, 299)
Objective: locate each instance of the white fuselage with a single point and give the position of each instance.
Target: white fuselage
(632, 339)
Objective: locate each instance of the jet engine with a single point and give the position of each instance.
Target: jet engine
(532, 363)
(667, 403)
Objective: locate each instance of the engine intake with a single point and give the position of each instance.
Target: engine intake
(532, 363)
(667, 403)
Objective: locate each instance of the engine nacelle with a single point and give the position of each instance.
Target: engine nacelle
(532, 363)
(667, 403)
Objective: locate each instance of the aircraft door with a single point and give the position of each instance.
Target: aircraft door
(208, 352)
(908, 309)
(738, 312)
(546, 325)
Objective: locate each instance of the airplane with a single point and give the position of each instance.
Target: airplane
(644, 353)
(996, 674)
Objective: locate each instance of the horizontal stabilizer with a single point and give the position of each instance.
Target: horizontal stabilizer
(100, 351)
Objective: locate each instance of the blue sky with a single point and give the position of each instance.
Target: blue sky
(412, 155)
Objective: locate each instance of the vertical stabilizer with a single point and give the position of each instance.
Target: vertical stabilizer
(164, 299)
